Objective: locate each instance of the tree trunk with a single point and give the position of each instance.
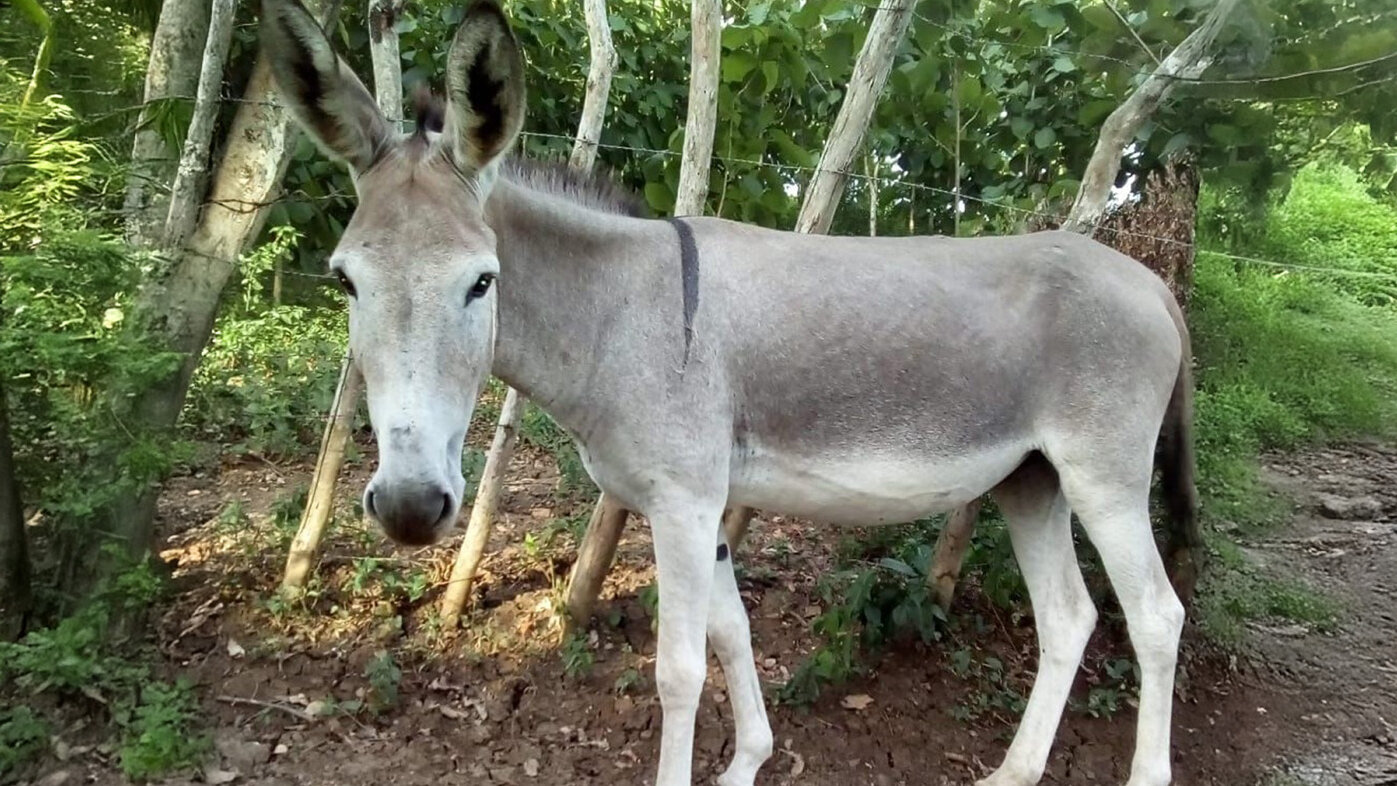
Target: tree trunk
(482, 520)
(176, 50)
(594, 558)
(387, 62)
(700, 122)
(885, 35)
(1189, 59)
(16, 590)
(826, 188)
(178, 302)
(339, 424)
(584, 154)
(320, 502)
(194, 161)
(40, 18)
(598, 547)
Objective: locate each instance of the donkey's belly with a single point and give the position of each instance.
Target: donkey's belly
(868, 489)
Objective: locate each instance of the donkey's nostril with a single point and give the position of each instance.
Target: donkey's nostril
(369, 504)
(445, 507)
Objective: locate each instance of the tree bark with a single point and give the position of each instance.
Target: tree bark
(176, 50)
(1189, 59)
(584, 154)
(320, 503)
(826, 188)
(387, 62)
(194, 161)
(16, 589)
(594, 559)
(885, 34)
(179, 301)
(339, 425)
(701, 118)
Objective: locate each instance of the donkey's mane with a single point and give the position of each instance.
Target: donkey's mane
(589, 189)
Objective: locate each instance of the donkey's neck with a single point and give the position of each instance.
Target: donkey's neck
(568, 274)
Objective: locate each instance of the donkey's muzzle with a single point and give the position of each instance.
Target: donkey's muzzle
(411, 514)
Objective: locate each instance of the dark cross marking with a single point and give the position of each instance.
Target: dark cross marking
(722, 551)
(689, 272)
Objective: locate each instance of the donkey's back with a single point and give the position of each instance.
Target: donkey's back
(889, 378)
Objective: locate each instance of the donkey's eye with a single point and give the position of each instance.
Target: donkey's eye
(481, 286)
(345, 283)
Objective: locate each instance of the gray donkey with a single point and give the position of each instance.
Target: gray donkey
(702, 363)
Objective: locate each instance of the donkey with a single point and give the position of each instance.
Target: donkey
(701, 363)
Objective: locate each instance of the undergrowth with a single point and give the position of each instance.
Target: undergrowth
(79, 662)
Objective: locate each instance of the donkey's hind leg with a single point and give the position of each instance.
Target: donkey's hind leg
(1112, 501)
(730, 634)
(1040, 527)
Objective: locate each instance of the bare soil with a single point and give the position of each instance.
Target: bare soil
(494, 703)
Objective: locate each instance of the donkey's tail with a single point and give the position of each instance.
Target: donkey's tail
(1177, 467)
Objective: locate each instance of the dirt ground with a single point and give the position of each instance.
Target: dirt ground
(494, 703)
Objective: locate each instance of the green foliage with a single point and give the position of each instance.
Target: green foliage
(1238, 592)
(23, 736)
(385, 680)
(77, 660)
(577, 656)
(867, 606)
(267, 380)
(992, 693)
(1283, 360)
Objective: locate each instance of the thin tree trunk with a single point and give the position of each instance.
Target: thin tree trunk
(826, 188)
(701, 118)
(40, 18)
(594, 557)
(320, 503)
(194, 161)
(885, 35)
(16, 590)
(955, 172)
(339, 425)
(176, 50)
(387, 62)
(608, 518)
(584, 154)
(1189, 59)
(179, 301)
(277, 281)
(871, 169)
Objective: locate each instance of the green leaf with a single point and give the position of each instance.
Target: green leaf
(737, 65)
(1100, 17)
(1064, 64)
(772, 74)
(1021, 126)
(659, 196)
(1044, 137)
(1049, 19)
(897, 566)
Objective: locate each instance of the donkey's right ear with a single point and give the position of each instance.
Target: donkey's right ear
(322, 92)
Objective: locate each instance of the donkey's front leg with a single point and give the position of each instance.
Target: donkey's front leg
(685, 540)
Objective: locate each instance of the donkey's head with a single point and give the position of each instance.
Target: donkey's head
(417, 261)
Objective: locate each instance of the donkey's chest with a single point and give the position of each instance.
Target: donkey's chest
(855, 488)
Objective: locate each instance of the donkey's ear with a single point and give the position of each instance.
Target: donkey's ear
(484, 87)
(326, 97)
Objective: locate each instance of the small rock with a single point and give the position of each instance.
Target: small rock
(1349, 508)
(55, 778)
(531, 768)
(241, 754)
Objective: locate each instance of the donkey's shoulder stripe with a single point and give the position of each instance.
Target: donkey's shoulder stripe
(689, 272)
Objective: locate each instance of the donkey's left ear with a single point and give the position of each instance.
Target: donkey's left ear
(484, 87)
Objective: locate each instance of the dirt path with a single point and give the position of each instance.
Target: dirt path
(496, 705)
(1343, 685)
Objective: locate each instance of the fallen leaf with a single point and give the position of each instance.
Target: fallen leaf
(856, 702)
(318, 708)
(531, 768)
(452, 712)
(235, 650)
(280, 750)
